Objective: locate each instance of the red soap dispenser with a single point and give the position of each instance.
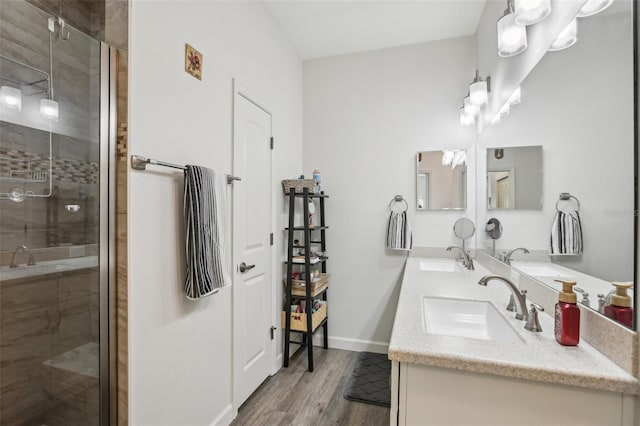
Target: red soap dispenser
(620, 307)
(567, 315)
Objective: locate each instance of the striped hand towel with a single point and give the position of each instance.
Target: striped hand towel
(205, 213)
(566, 234)
(399, 232)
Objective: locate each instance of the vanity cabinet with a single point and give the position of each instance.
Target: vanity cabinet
(424, 395)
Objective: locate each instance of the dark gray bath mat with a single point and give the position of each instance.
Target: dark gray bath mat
(370, 380)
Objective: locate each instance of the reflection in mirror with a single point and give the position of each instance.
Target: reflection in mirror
(514, 178)
(587, 134)
(441, 180)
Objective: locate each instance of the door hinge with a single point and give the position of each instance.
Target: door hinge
(271, 142)
(271, 238)
(273, 329)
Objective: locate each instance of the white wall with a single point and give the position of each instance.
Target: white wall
(365, 117)
(180, 351)
(578, 104)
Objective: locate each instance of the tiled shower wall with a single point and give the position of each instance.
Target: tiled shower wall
(50, 221)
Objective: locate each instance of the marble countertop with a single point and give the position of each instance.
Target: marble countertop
(538, 357)
(47, 268)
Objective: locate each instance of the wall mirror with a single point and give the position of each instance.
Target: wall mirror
(514, 178)
(441, 180)
(578, 107)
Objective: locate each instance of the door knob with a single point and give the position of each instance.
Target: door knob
(244, 267)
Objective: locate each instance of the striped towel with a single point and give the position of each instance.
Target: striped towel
(399, 232)
(566, 234)
(205, 211)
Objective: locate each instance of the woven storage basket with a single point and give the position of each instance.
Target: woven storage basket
(299, 185)
(298, 288)
(299, 321)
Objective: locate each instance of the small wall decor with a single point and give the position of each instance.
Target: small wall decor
(193, 61)
(498, 153)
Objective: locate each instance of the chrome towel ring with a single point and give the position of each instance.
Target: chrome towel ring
(399, 199)
(565, 196)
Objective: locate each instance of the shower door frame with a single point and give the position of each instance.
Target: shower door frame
(107, 259)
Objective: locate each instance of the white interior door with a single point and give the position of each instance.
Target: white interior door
(252, 289)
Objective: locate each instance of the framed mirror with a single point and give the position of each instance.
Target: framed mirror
(586, 133)
(441, 180)
(514, 178)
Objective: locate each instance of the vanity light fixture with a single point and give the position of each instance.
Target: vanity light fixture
(496, 119)
(11, 98)
(512, 38)
(49, 109)
(470, 108)
(529, 12)
(505, 110)
(567, 37)
(592, 7)
(478, 91)
(515, 97)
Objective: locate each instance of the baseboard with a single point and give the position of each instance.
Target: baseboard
(224, 418)
(355, 345)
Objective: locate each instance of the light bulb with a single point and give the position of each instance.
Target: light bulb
(567, 37)
(512, 38)
(470, 108)
(593, 6)
(529, 12)
(466, 119)
(11, 98)
(478, 94)
(515, 97)
(49, 109)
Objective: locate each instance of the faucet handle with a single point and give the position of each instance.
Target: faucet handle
(532, 323)
(585, 296)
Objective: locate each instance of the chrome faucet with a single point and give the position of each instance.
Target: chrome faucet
(467, 261)
(507, 257)
(521, 312)
(14, 259)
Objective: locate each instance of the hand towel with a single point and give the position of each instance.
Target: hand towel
(566, 234)
(205, 217)
(399, 231)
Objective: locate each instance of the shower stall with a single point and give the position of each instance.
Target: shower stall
(57, 156)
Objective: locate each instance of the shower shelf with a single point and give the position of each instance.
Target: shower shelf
(36, 76)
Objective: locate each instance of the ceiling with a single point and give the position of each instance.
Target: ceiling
(319, 28)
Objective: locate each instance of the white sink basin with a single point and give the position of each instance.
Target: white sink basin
(475, 319)
(440, 265)
(541, 269)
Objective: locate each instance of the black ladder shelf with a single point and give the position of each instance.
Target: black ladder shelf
(308, 298)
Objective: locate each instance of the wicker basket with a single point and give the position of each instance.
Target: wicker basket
(299, 321)
(299, 185)
(298, 287)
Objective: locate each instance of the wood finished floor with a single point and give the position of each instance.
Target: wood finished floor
(296, 397)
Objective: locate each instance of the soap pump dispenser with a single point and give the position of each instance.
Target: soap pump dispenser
(567, 315)
(619, 309)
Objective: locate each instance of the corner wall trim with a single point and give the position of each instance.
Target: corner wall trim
(224, 418)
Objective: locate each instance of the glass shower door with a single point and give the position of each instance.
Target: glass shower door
(50, 221)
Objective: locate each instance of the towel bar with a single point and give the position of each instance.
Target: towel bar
(138, 162)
